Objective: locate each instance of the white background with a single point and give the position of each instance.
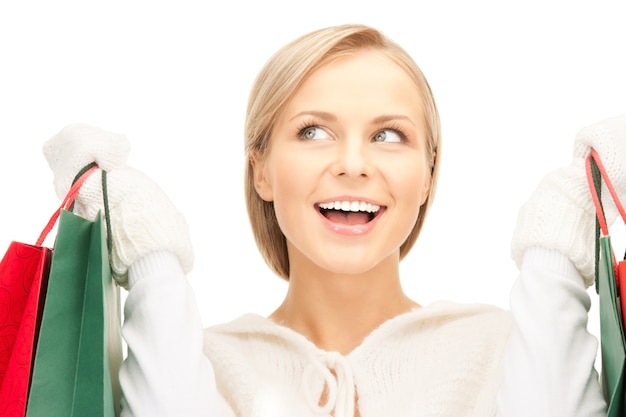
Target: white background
(514, 81)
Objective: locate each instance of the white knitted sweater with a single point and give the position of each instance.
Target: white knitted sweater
(264, 369)
(445, 359)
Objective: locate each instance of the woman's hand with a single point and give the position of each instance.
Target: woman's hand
(560, 213)
(143, 219)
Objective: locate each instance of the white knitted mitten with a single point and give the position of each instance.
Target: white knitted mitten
(143, 218)
(560, 214)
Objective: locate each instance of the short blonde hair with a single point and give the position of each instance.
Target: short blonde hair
(274, 86)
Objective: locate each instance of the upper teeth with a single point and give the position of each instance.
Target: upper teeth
(351, 206)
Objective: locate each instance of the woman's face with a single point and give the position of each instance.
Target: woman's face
(347, 167)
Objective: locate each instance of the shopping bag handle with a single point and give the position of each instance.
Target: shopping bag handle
(595, 174)
(70, 198)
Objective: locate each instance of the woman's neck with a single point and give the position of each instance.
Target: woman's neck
(336, 312)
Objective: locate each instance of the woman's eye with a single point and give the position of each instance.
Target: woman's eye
(313, 132)
(387, 136)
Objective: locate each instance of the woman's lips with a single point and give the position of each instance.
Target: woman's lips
(350, 217)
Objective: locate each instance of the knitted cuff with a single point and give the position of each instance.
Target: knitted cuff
(155, 265)
(138, 232)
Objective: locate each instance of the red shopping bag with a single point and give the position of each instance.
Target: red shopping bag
(24, 272)
(23, 275)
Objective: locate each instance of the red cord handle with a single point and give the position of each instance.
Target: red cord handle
(66, 204)
(594, 192)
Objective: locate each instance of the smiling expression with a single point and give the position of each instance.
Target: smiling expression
(347, 169)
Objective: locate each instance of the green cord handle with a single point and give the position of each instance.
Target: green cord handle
(105, 197)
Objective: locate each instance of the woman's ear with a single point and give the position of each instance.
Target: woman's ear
(262, 185)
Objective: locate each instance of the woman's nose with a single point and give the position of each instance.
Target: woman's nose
(352, 159)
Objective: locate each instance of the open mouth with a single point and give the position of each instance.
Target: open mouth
(350, 212)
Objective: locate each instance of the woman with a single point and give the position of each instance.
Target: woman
(343, 145)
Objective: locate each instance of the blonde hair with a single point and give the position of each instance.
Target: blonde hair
(274, 86)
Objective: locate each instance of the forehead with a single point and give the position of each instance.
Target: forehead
(365, 80)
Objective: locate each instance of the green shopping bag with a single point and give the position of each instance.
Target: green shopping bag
(611, 333)
(611, 287)
(79, 349)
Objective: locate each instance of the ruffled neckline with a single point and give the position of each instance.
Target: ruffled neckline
(253, 323)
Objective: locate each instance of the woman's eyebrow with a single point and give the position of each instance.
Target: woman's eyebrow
(320, 114)
(390, 117)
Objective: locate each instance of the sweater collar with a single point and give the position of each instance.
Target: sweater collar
(250, 324)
